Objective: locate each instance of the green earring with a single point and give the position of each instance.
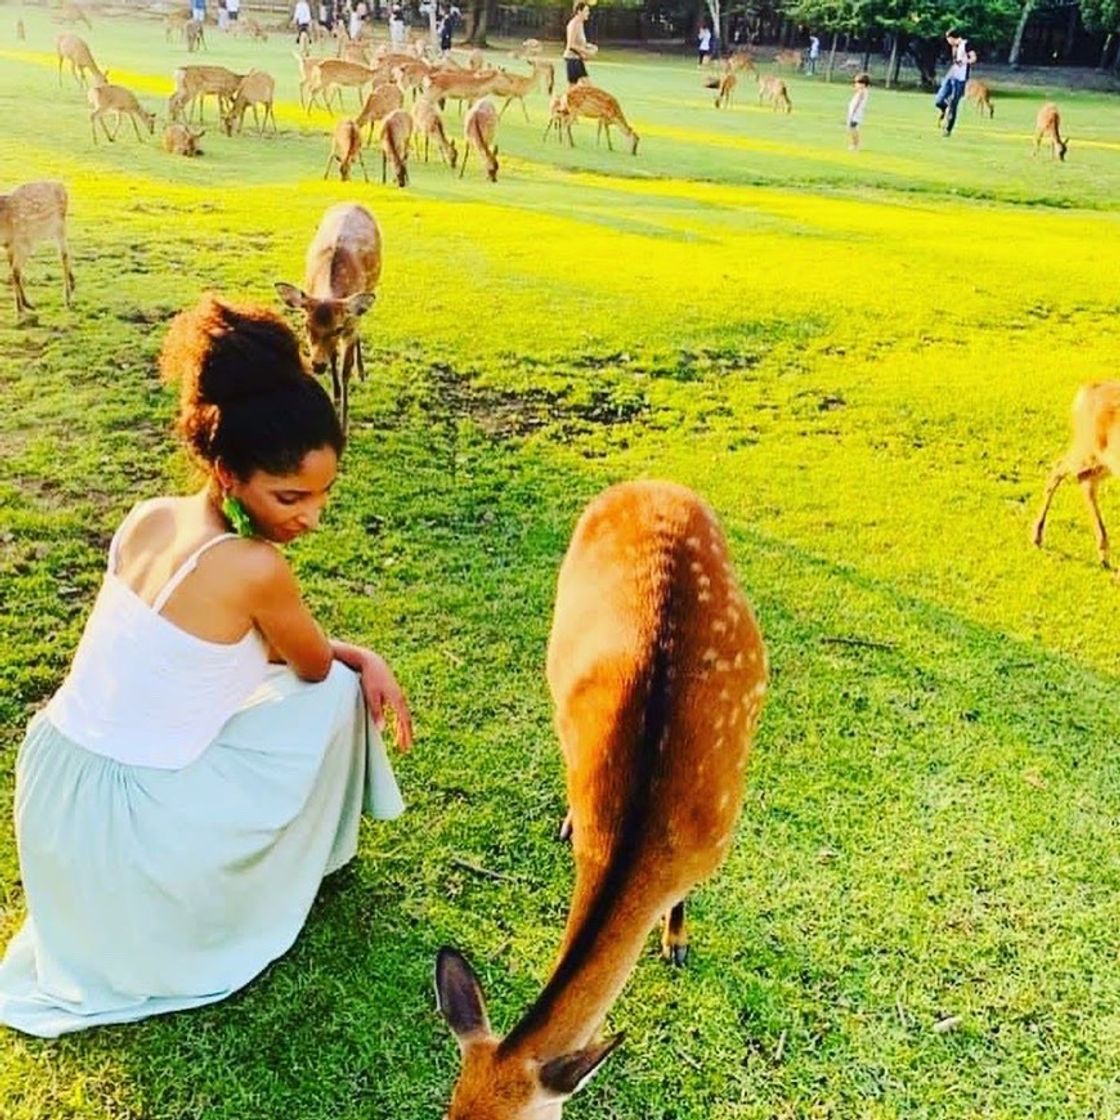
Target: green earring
(237, 516)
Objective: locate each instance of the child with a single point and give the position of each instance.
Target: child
(856, 107)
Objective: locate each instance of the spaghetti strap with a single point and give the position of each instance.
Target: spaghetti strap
(185, 570)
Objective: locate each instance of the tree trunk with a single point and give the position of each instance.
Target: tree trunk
(924, 54)
(1017, 42)
(1103, 64)
(480, 9)
(832, 56)
(717, 24)
(895, 61)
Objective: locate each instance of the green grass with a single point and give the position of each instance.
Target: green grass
(864, 362)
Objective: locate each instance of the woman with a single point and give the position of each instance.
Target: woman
(178, 802)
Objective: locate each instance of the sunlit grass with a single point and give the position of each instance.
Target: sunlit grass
(863, 361)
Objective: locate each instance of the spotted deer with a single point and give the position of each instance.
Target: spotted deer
(105, 98)
(32, 213)
(428, 126)
(979, 92)
(657, 672)
(75, 50)
(340, 278)
(395, 140)
(381, 102)
(346, 147)
(331, 75)
(776, 92)
(600, 106)
(1093, 455)
(1048, 124)
(256, 88)
(193, 83)
(181, 140)
(479, 132)
(724, 86)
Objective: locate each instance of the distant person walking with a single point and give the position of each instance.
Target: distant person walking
(814, 54)
(856, 107)
(704, 45)
(301, 17)
(576, 47)
(233, 10)
(198, 11)
(951, 93)
(397, 28)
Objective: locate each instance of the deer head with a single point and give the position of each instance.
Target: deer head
(331, 323)
(500, 1083)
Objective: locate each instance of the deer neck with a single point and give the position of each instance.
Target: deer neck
(605, 936)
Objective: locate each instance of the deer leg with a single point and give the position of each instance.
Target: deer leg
(67, 274)
(521, 100)
(336, 384)
(384, 167)
(347, 367)
(565, 833)
(136, 128)
(359, 358)
(330, 160)
(674, 936)
(1057, 476)
(362, 161)
(22, 302)
(1089, 484)
(466, 156)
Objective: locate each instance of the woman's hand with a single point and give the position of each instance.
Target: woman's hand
(379, 687)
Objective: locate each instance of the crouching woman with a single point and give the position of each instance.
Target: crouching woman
(179, 799)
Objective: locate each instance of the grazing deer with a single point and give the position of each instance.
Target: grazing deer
(196, 36)
(343, 267)
(181, 140)
(396, 137)
(256, 88)
(558, 117)
(590, 101)
(381, 102)
(32, 213)
(428, 126)
(979, 92)
(479, 131)
(1093, 455)
(1048, 124)
(725, 86)
(346, 147)
(788, 58)
(776, 92)
(75, 50)
(104, 98)
(193, 83)
(742, 60)
(657, 672)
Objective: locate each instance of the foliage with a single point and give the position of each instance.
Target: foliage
(865, 363)
(1101, 15)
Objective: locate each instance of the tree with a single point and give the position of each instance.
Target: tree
(1103, 15)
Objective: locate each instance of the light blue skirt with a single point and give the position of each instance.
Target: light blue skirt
(150, 890)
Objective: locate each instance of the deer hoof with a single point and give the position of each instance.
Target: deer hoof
(675, 955)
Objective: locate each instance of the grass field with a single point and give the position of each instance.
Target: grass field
(865, 364)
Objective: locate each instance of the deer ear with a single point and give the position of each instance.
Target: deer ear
(459, 996)
(291, 295)
(564, 1076)
(360, 303)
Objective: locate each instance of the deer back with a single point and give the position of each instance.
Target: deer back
(344, 257)
(33, 212)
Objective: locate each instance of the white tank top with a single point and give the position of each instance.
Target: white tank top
(143, 691)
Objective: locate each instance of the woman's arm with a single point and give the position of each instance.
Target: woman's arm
(379, 687)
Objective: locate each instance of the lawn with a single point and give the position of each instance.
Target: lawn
(864, 362)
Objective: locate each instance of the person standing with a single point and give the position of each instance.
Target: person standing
(704, 45)
(951, 93)
(814, 54)
(301, 17)
(446, 28)
(856, 107)
(576, 47)
(357, 19)
(396, 25)
(233, 9)
(198, 11)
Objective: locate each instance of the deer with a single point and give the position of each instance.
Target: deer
(308, 76)
(590, 101)
(410, 76)
(105, 98)
(396, 137)
(458, 85)
(175, 25)
(776, 92)
(342, 270)
(529, 49)
(256, 88)
(788, 58)
(724, 86)
(330, 75)
(181, 140)
(75, 50)
(193, 83)
(428, 124)
(195, 35)
(479, 130)
(1093, 455)
(558, 117)
(743, 60)
(514, 87)
(1048, 124)
(346, 147)
(979, 92)
(32, 213)
(657, 672)
(381, 102)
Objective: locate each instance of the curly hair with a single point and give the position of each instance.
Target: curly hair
(246, 398)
